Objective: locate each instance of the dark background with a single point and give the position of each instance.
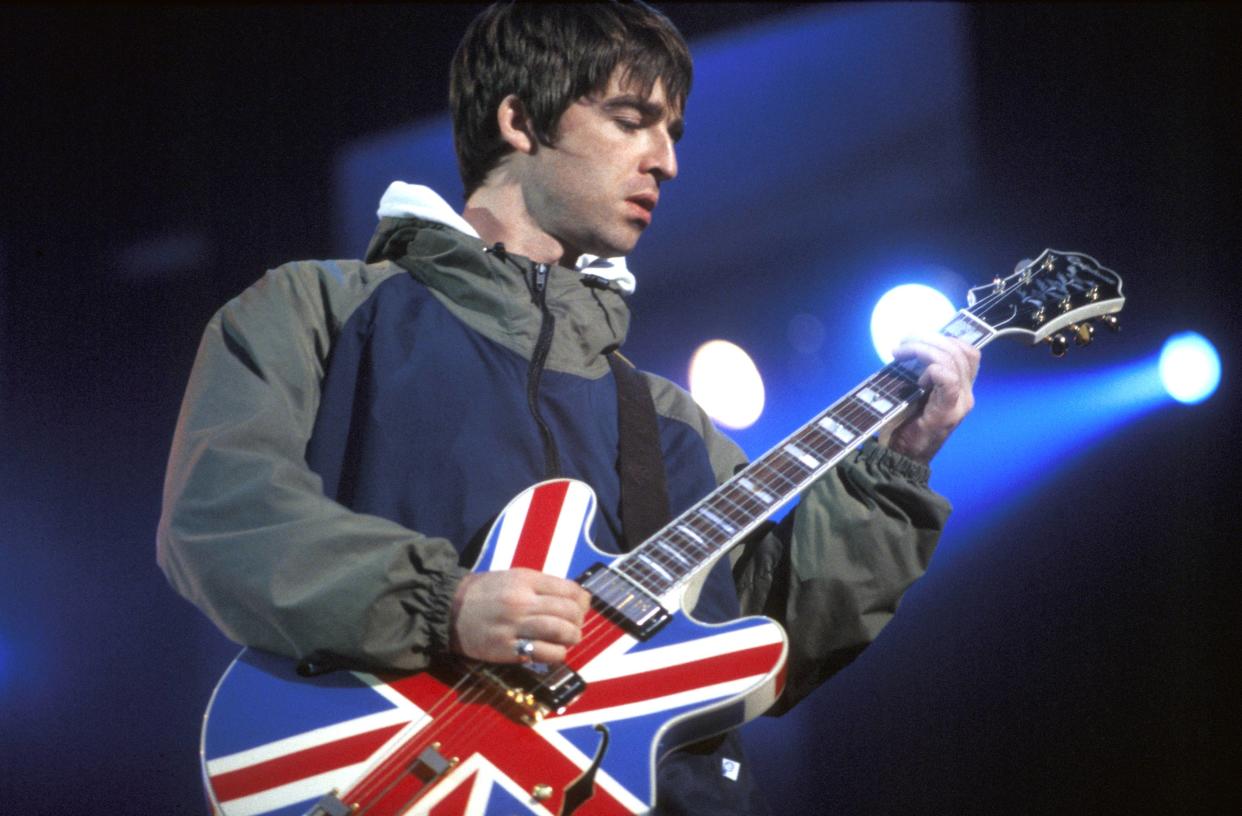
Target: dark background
(1080, 662)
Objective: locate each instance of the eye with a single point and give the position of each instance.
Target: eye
(629, 125)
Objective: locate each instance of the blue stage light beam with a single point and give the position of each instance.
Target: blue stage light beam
(1025, 430)
(906, 310)
(1189, 367)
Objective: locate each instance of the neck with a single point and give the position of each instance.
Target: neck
(498, 213)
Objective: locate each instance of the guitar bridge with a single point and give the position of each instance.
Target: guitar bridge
(534, 690)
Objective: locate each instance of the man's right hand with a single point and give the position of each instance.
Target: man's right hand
(492, 610)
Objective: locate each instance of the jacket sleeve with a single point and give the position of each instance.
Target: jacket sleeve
(246, 532)
(835, 568)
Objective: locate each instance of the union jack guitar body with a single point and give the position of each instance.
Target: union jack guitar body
(585, 737)
(455, 741)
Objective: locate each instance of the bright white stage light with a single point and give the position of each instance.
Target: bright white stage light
(905, 310)
(726, 384)
(1189, 367)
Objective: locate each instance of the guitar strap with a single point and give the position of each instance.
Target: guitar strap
(644, 486)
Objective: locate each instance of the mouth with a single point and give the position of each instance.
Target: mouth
(642, 205)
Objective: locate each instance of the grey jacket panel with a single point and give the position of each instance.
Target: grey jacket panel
(247, 533)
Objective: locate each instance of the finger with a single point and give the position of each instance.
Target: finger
(556, 606)
(552, 586)
(946, 351)
(552, 630)
(547, 653)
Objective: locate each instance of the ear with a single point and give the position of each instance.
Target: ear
(515, 126)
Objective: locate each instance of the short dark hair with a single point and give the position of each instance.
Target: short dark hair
(549, 55)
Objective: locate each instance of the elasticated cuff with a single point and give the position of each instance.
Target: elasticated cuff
(877, 458)
(439, 605)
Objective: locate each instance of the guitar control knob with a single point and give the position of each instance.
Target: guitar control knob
(1059, 344)
(1111, 321)
(1083, 332)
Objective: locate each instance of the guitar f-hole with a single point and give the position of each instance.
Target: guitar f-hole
(582, 788)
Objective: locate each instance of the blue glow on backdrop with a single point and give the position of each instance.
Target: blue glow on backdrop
(1189, 367)
(5, 659)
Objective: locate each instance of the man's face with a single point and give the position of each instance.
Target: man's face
(596, 190)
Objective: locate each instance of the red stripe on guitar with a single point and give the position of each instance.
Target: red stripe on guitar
(536, 538)
(300, 765)
(648, 685)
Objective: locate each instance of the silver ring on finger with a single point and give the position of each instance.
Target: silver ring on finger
(525, 647)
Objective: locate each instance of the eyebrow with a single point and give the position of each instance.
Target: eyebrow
(648, 110)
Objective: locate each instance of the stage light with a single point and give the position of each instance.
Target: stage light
(726, 384)
(907, 310)
(1189, 367)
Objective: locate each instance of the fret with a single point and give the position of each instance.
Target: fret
(734, 510)
(748, 504)
(640, 573)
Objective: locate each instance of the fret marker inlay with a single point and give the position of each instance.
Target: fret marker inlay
(837, 429)
(754, 490)
(875, 400)
(717, 520)
(802, 456)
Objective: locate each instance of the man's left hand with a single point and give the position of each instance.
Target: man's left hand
(949, 378)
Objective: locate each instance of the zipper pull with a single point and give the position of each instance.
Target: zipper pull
(541, 277)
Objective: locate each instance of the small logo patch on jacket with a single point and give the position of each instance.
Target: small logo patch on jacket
(730, 768)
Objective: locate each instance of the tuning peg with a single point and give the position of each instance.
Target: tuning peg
(1058, 343)
(1111, 321)
(1083, 332)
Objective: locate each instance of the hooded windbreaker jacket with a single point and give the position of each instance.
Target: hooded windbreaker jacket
(351, 428)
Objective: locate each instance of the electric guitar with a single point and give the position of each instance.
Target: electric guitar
(584, 737)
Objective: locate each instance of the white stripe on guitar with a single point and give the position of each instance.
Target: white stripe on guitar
(312, 787)
(310, 739)
(609, 665)
(653, 705)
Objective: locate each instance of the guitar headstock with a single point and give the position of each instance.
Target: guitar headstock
(1057, 291)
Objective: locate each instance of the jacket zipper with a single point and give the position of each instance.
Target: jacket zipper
(547, 323)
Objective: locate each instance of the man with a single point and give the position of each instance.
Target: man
(351, 428)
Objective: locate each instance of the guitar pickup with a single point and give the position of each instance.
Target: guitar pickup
(621, 601)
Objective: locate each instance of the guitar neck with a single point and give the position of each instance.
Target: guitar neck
(693, 540)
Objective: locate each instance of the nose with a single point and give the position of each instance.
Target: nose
(661, 157)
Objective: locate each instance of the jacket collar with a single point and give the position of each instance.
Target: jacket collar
(491, 292)
(402, 200)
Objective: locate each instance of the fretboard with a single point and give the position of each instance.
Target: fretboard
(728, 514)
